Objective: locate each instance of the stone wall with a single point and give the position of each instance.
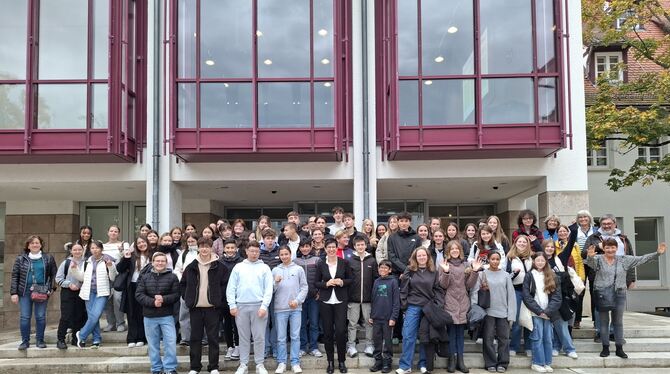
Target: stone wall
(200, 220)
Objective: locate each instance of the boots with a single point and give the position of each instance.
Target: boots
(342, 367)
(606, 351)
(620, 352)
(460, 365)
(386, 365)
(378, 364)
(451, 363)
(331, 367)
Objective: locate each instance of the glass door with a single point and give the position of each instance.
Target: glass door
(100, 215)
(646, 241)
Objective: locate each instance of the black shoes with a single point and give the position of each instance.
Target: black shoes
(331, 367)
(41, 344)
(451, 363)
(377, 366)
(606, 351)
(342, 367)
(61, 344)
(23, 346)
(460, 364)
(386, 365)
(620, 352)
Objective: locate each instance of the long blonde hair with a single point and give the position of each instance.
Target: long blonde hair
(373, 234)
(515, 252)
(499, 233)
(549, 281)
(414, 264)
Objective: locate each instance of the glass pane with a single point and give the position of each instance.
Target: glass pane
(283, 105)
(100, 39)
(324, 112)
(276, 213)
(186, 34)
(654, 151)
(447, 41)
(186, 110)
(646, 241)
(448, 102)
(546, 31)
(226, 105)
(61, 106)
(306, 208)
(443, 211)
(101, 217)
(228, 21)
(390, 208)
(601, 161)
(326, 209)
(408, 103)
(139, 218)
(283, 39)
(13, 21)
(506, 39)
(415, 207)
(548, 105)
(99, 106)
(507, 100)
(601, 60)
(408, 38)
(323, 38)
(12, 106)
(63, 32)
(475, 210)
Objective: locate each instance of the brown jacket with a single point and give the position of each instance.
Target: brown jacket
(456, 285)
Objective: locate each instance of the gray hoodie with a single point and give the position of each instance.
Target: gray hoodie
(293, 286)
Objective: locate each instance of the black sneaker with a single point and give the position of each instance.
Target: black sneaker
(41, 344)
(95, 345)
(61, 344)
(23, 346)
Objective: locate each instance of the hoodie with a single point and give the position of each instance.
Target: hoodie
(230, 262)
(203, 283)
(364, 271)
(198, 291)
(250, 283)
(400, 246)
(293, 286)
(385, 299)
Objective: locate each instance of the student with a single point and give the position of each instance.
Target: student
(565, 240)
(262, 224)
(470, 235)
(203, 287)
(113, 310)
(249, 294)
(230, 258)
(382, 246)
(85, 237)
(177, 237)
(343, 250)
(158, 293)
(270, 256)
(452, 233)
(225, 232)
(438, 248)
(96, 276)
(369, 230)
(185, 258)
(402, 243)
(435, 223)
(321, 222)
(518, 265)
(364, 271)
(290, 291)
(338, 215)
(134, 264)
(498, 232)
(72, 308)
(423, 232)
(542, 297)
(318, 243)
(385, 307)
(309, 326)
(484, 245)
(350, 229)
(166, 245)
(292, 238)
(527, 222)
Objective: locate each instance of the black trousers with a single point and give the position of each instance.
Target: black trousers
(72, 313)
(429, 348)
(591, 276)
(382, 338)
(209, 319)
(496, 327)
(334, 318)
(230, 329)
(135, 318)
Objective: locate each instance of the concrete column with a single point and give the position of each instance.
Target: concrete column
(564, 204)
(201, 212)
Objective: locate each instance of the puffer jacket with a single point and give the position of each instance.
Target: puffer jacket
(271, 257)
(230, 262)
(400, 246)
(364, 271)
(310, 264)
(22, 267)
(153, 283)
(456, 284)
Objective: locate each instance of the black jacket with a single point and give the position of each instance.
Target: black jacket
(229, 263)
(364, 272)
(323, 276)
(385, 299)
(270, 258)
(218, 281)
(555, 299)
(170, 250)
(400, 246)
(151, 284)
(22, 267)
(310, 264)
(433, 325)
(128, 265)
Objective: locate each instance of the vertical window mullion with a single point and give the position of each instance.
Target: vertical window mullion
(30, 70)
(311, 70)
(197, 74)
(536, 110)
(419, 72)
(478, 74)
(254, 76)
(89, 73)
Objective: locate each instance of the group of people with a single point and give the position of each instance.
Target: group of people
(284, 292)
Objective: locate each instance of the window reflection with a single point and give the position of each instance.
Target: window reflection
(507, 100)
(548, 107)
(101, 39)
(13, 20)
(408, 103)
(323, 38)
(447, 44)
(324, 108)
(12, 106)
(408, 38)
(225, 40)
(283, 39)
(61, 106)
(99, 106)
(447, 102)
(283, 105)
(186, 108)
(63, 34)
(505, 36)
(546, 30)
(186, 35)
(226, 105)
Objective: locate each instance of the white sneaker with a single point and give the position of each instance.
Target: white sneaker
(548, 369)
(229, 354)
(260, 369)
(369, 350)
(316, 353)
(538, 368)
(512, 353)
(301, 353)
(423, 370)
(280, 368)
(351, 351)
(131, 345)
(573, 355)
(401, 371)
(214, 372)
(554, 353)
(121, 328)
(192, 372)
(242, 369)
(529, 353)
(139, 344)
(236, 353)
(479, 341)
(296, 369)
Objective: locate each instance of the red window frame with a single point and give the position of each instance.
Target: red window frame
(265, 144)
(113, 144)
(469, 140)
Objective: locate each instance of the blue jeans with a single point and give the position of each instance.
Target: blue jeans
(271, 333)
(456, 339)
(540, 341)
(164, 327)
(410, 330)
(26, 306)
(562, 338)
(293, 319)
(515, 334)
(94, 308)
(309, 327)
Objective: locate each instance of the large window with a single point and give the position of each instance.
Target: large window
(646, 241)
(598, 157)
(649, 154)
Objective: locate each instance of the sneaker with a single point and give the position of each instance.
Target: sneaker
(192, 372)
(184, 343)
(260, 369)
(109, 328)
(236, 353)
(501, 369)
(139, 344)
(301, 353)
(121, 328)
(423, 370)
(61, 344)
(296, 369)
(369, 350)
(23, 346)
(529, 353)
(214, 372)
(479, 341)
(95, 345)
(512, 353)
(573, 355)
(78, 339)
(401, 371)
(316, 353)
(351, 351)
(548, 368)
(281, 368)
(492, 369)
(242, 369)
(538, 368)
(229, 354)
(554, 353)
(41, 344)
(131, 345)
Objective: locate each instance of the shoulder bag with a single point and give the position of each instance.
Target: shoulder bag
(484, 294)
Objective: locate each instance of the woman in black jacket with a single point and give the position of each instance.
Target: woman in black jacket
(333, 280)
(33, 271)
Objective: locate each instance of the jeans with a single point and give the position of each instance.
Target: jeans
(410, 330)
(94, 308)
(515, 334)
(26, 306)
(155, 328)
(271, 333)
(456, 339)
(309, 327)
(293, 319)
(540, 341)
(617, 320)
(561, 337)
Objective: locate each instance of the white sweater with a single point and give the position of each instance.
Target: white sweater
(540, 296)
(103, 278)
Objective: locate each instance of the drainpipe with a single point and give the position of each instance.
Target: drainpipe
(156, 109)
(366, 146)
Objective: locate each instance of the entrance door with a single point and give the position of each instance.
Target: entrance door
(100, 215)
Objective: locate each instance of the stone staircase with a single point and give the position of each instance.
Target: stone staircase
(648, 346)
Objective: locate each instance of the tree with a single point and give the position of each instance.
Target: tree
(611, 116)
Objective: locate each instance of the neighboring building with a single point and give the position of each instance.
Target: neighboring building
(124, 113)
(643, 212)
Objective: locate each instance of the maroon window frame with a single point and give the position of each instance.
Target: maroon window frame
(124, 135)
(265, 144)
(478, 140)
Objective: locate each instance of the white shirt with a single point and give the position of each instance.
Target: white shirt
(332, 268)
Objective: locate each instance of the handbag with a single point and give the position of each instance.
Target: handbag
(606, 297)
(39, 293)
(577, 282)
(119, 283)
(525, 318)
(404, 289)
(484, 294)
